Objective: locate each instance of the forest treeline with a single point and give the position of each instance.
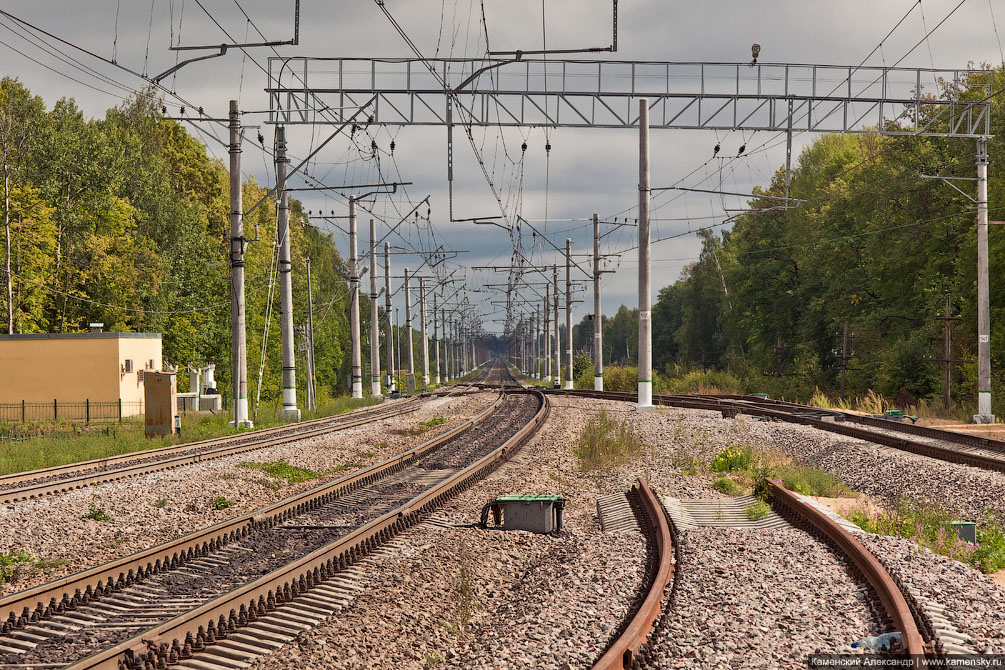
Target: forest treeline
(874, 244)
(125, 220)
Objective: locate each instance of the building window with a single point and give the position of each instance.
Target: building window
(128, 365)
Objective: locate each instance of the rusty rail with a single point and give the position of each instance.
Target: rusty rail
(21, 609)
(886, 588)
(622, 651)
(137, 463)
(191, 631)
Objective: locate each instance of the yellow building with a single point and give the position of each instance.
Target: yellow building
(93, 368)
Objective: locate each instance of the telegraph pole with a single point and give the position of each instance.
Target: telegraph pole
(312, 389)
(392, 384)
(425, 340)
(408, 329)
(374, 326)
(984, 414)
(289, 412)
(238, 346)
(645, 402)
(357, 359)
(558, 333)
(568, 313)
(436, 341)
(598, 325)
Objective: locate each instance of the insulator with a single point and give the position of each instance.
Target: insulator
(392, 146)
(261, 138)
(547, 147)
(182, 110)
(373, 145)
(743, 147)
(164, 110)
(716, 150)
(201, 112)
(523, 147)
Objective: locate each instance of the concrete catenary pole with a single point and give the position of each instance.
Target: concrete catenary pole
(984, 414)
(436, 343)
(568, 313)
(391, 383)
(645, 401)
(374, 325)
(312, 398)
(537, 342)
(425, 339)
(558, 333)
(547, 333)
(408, 325)
(357, 357)
(289, 411)
(598, 313)
(238, 346)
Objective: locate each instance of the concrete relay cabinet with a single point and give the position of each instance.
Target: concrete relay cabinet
(536, 513)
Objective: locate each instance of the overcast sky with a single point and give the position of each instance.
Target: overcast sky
(590, 170)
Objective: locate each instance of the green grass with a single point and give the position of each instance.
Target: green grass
(749, 463)
(728, 486)
(128, 437)
(606, 443)
(10, 561)
(220, 502)
(282, 470)
(757, 511)
(929, 525)
(424, 426)
(96, 513)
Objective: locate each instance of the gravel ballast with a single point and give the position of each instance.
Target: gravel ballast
(154, 508)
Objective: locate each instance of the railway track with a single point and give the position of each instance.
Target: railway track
(62, 478)
(972, 450)
(642, 640)
(231, 592)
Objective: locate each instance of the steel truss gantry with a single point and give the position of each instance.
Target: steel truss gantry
(604, 94)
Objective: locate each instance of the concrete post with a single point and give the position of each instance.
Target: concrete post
(408, 324)
(645, 401)
(547, 334)
(568, 313)
(392, 384)
(312, 399)
(425, 339)
(357, 357)
(436, 343)
(238, 346)
(374, 325)
(598, 315)
(558, 333)
(289, 411)
(984, 414)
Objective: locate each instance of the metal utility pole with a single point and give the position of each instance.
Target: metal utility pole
(238, 345)
(538, 365)
(357, 357)
(289, 412)
(547, 333)
(397, 344)
(312, 389)
(436, 342)
(779, 351)
(598, 319)
(984, 414)
(845, 356)
(558, 332)
(425, 340)
(408, 331)
(374, 326)
(947, 359)
(645, 402)
(568, 312)
(392, 384)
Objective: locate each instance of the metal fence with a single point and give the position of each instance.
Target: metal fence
(86, 411)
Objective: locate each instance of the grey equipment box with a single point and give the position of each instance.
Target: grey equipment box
(535, 513)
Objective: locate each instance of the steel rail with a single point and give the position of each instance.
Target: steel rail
(16, 477)
(815, 417)
(892, 599)
(23, 608)
(176, 639)
(621, 653)
(274, 437)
